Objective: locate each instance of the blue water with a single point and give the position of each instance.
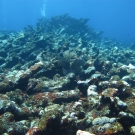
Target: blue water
(115, 17)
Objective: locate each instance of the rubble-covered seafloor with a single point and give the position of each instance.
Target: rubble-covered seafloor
(61, 76)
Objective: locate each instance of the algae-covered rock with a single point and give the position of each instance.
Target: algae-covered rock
(132, 130)
(50, 120)
(9, 126)
(107, 126)
(5, 86)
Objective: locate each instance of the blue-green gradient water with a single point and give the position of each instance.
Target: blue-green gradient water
(115, 17)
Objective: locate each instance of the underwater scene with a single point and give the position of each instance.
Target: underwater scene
(67, 67)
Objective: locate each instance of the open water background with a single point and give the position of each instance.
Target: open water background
(115, 17)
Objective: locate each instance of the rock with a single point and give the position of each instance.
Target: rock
(132, 130)
(57, 97)
(91, 91)
(80, 132)
(33, 131)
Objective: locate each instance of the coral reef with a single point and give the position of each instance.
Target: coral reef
(61, 77)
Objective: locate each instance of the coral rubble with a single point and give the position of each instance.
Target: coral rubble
(62, 78)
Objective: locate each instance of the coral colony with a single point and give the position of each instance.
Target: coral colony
(62, 78)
